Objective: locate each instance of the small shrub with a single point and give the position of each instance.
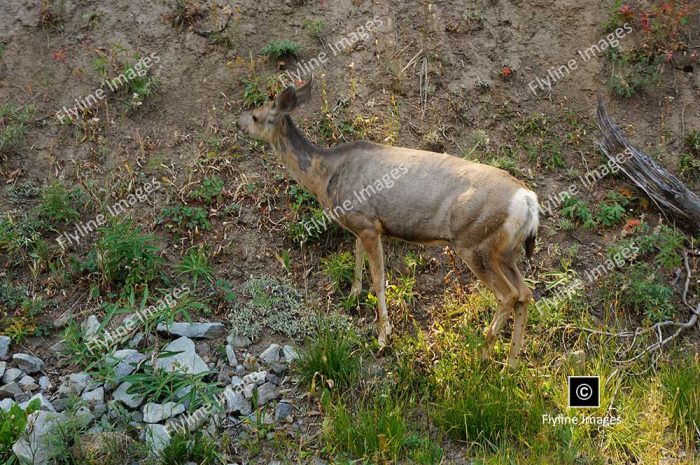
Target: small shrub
(340, 269)
(314, 26)
(125, 256)
(631, 73)
(61, 205)
(284, 48)
(641, 289)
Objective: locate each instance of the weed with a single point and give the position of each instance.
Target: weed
(669, 243)
(330, 361)
(61, 205)
(53, 14)
(339, 267)
(611, 211)
(315, 27)
(640, 289)
(186, 13)
(577, 209)
(194, 448)
(141, 85)
(184, 217)
(196, 265)
(631, 73)
(13, 126)
(692, 140)
(209, 190)
(284, 48)
(253, 93)
(125, 256)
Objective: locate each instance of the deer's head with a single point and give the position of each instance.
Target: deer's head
(265, 122)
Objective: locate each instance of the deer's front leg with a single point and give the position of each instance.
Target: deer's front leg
(356, 289)
(372, 243)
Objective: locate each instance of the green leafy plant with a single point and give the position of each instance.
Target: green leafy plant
(577, 209)
(209, 190)
(332, 361)
(196, 265)
(61, 205)
(125, 255)
(641, 289)
(611, 211)
(631, 72)
(339, 267)
(314, 26)
(254, 94)
(12, 425)
(284, 48)
(184, 217)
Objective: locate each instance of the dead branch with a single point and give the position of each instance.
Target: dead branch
(666, 190)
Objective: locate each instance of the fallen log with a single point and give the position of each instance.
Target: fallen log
(666, 191)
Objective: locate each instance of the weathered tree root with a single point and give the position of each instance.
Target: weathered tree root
(666, 190)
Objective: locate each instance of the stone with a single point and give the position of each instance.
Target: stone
(6, 404)
(28, 363)
(256, 377)
(266, 393)
(279, 369)
(250, 363)
(44, 403)
(3, 366)
(131, 400)
(193, 330)
(45, 383)
(239, 342)
(289, 353)
(155, 413)
(10, 390)
(231, 356)
(271, 354)
(90, 327)
(22, 397)
(95, 396)
(5, 342)
(185, 358)
(283, 410)
(61, 403)
(156, 437)
(236, 402)
(77, 382)
(34, 446)
(11, 375)
(125, 362)
(27, 383)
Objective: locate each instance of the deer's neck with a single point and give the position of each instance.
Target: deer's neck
(307, 163)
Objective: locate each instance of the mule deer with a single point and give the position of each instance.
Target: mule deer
(484, 213)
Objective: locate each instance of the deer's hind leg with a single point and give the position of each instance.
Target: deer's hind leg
(486, 264)
(521, 306)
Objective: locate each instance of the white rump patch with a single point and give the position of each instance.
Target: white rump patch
(523, 215)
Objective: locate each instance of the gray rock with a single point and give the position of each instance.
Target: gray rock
(289, 353)
(236, 402)
(6, 404)
(28, 363)
(34, 447)
(282, 411)
(155, 413)
(12, 374)
(248, 390)
(186, 358)
(135, 341)
(131, 400)
(237, 383)
(3, 366)
(5, 342)
(256, 377)
(231, 355)
(23, 397)
(239, 342)
(193, 330)
(156, 437)
(267, 392)
(77, 382)
(90, 327)
(45, 383)
(44, 403)
(61, 403)
(271, 354)
(99, 409)
(279, 369)
(95, 396)
(125, 362)
(27, 383)
(10, 390)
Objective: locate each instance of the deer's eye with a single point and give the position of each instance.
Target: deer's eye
(255, 119)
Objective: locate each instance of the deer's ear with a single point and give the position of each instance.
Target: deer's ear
(304, 91)
(286, 101)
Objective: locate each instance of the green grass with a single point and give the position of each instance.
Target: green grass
(195, 447)
(680, 383)
(339, 268)
(196, 265)
(14, 121)
(59, 204)
(283, 48)
(331, 361)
